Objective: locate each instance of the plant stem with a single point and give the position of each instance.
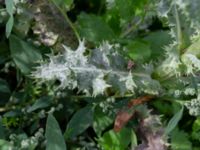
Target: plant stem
(67, 20)
(115, 96)
(182, 102)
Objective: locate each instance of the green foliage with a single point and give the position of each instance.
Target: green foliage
(52, 131)
(101, 122)
(93, 64)
(43, 102)
(174, 121)
(94, 29)
(139, 50)
(10, 10)
(196, 129)
(115, 141)
(180, 141)
(80, 121)
(23, 54)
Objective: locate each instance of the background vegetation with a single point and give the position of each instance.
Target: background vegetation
(99, 75)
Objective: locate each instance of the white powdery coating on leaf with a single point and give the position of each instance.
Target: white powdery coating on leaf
(105, 47)
(130, 84)
(191, 62)
(76, 57)
(99, 85)
(103, 67)
(172, 63)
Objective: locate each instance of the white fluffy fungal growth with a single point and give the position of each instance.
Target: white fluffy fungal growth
(93, 71)
(129, 82)
(191, 62)
(99, 85)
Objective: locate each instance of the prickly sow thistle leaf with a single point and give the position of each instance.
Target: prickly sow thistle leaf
(104, 67)
(94, 72)
(182, 17)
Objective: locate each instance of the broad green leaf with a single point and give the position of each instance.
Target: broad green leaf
(122, 14)
(157, 44)
(94, 29)
(180, 140)
(126, 10)
(101, 121)
(174, 121)
(134, 142)
(54, 137)
(196, 130)
(10, 6)
(139, 50)
(40, 103)
(5, 145)
(80, 121)
(196, 125)
(10, 10)
(113, 20)
(23, 54)
(116, 141)
(9, 26)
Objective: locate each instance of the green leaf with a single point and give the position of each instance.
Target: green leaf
(139, 50)
(9, 26)
(80, 121)
(63, 3)
(10, 10)
(5, 145)
(23, 54)
(101, 121)
(174, 121)
(9, 6)
(40, 103)
(94, 29)
(180, 140)
(157, 44)
(196, 125)
(113, 20)
(126, 10)
(116, 141)
(134, 142)
(55, 139)
(196, 130)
